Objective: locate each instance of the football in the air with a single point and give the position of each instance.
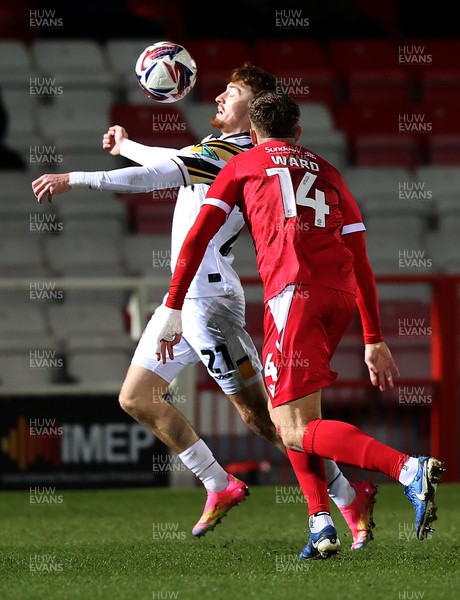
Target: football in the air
(166, 72)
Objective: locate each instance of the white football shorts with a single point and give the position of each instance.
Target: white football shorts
(213, 333)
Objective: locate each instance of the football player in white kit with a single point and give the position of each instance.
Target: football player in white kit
(214, 310)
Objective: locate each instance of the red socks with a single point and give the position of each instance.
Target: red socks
(311, 475)
(347, 444)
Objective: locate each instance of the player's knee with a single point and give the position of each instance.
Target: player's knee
(127, 402)
(140, 402)
(291, 438)
(132, 402)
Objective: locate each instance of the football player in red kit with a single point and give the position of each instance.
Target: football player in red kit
(311, 255)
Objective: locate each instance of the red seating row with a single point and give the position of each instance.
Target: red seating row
(154, 124)
(151, 212)
(402, 134)
(355, 70)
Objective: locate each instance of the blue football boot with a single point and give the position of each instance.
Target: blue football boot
(323, 544)
(421, 493)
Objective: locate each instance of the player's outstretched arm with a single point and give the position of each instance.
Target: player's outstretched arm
(116, 141)
(382, 368)
(49, 185)
(131, 180)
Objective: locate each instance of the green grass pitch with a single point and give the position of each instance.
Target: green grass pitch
(136, 544)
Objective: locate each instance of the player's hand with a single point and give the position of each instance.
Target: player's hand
(382, 368)
(49, 185)
(111, 141)
(168, 326)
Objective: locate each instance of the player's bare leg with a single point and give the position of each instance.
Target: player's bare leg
(142, 397)
(251, 404)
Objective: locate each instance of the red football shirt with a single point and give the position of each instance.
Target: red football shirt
(297, 207)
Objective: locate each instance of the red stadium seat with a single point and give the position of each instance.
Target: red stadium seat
(369, 55)
(346, 55)
(312, 85)
(361, 119)
(155, 125)
(369, 71)
(168, 15)
(434, 67)
(421, 54)
(436, 84)
(216, 54)
(255, 322)
(289, 54)
(16, 21)
(444, 117)
(406, 323)
(302, 67)
(387, 150)
(153, 218)
(444, 150)
(215, 59)
(151, 212)
(379, 86)
(381, 135)
(383, 13)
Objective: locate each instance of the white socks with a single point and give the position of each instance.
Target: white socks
(339, 488)
(319, 521)
(200, 460)
(409, 471)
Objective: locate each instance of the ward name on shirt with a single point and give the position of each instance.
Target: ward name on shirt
(283, 155)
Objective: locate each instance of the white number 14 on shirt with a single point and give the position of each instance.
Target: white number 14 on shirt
(318, 203)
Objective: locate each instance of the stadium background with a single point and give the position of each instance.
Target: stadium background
(379, 88)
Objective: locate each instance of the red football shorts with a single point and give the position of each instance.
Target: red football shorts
(302, 328)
